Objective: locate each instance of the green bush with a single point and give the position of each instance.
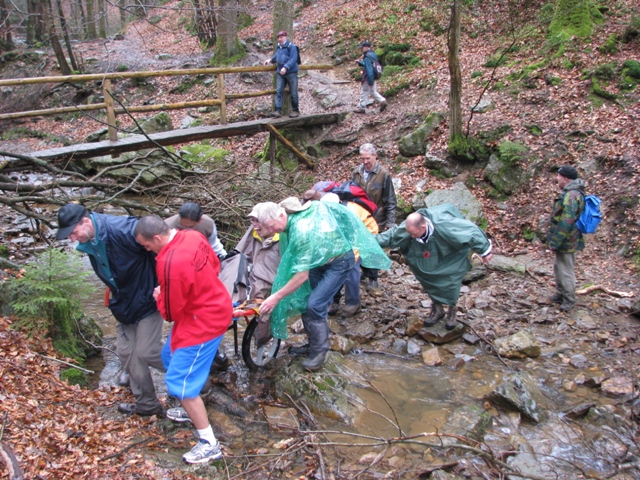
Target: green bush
(476, 74)
(632, 31)
(606, 71)
(610, 46)
(511, 153)
(122, 68)
(49, 298)
(496, 61)
(73, 376)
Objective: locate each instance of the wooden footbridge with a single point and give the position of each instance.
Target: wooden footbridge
(115, 146)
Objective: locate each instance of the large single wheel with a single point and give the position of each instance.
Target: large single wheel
(253, 356)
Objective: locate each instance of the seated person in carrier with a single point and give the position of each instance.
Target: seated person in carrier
(259, 255)
(190, 217)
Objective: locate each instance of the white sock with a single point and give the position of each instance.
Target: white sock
(207, 435)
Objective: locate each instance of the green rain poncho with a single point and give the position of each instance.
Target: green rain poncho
(312, 237)
(442, 262)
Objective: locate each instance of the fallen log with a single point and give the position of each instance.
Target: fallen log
(614, 293)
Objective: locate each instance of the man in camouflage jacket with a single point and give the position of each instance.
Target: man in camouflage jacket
(564, 237)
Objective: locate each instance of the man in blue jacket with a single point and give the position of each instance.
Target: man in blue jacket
(128, 269)
(368, 87)
(286, 60)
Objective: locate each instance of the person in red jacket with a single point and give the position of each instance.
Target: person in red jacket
(192, 297)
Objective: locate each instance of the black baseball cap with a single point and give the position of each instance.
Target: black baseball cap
(68, 217)
(568, 171)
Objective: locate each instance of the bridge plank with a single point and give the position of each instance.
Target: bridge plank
(185, 135)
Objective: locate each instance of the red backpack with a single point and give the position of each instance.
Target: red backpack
(351, 192)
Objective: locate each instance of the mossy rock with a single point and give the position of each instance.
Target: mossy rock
(596, 89)
(156, 124)
(415, 143)
(203, 154)
(505, 171)
(73, 376)
(534, 129)
(574, 18)
(469, 149)
(328, 392)
(631, 68)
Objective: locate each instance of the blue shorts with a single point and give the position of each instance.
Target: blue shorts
(188, 368)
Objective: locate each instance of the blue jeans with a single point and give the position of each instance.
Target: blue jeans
(351, 287)
(325, 282)
(292, 80)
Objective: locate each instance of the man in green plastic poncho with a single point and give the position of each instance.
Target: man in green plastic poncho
(316, 247)
(436, 243)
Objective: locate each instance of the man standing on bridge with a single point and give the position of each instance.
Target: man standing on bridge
(286, 59)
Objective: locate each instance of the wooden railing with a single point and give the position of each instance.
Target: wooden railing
(112, 110)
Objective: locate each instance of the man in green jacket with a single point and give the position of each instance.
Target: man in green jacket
(436, 243)
(564, 237)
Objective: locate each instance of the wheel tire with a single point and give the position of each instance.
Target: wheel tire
(253, 358)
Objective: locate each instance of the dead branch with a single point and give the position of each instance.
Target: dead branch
(604, 289)
(67, 363)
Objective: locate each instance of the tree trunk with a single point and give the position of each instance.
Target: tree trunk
(455, 92)
(102, 19)
(227, 43)
(6, 42)
(90, 31)
(55, 40)
(139, 9)
(282, 20)
(36, 27)
(67, 41)
(122, 7)
(205, 21)
(83, 17)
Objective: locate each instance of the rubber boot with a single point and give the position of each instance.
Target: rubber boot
(263, 332)
(318, 333)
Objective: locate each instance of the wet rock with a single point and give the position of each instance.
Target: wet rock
(328, 392)
(471, 338)
(468, 421)
(520, 392)
(414, 324)
(579, 410)
(413, 348)
(432, 357)
(225, 403)
(594, 381)
(484, 298)
(399, 345)
(341, 344)
(520, 345)
(279, 418)
(224, 423)
(438, 334)
(569, 385)
(617, 386)
(475, 274)
(362, 331)
(456, 363)
(578, 360)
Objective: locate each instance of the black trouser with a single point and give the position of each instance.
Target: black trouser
(370, 273)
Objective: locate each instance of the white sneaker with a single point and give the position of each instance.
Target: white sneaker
(202, 452)
(178, 414)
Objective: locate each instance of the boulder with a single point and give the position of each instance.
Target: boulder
(505, 175)
(460, 196)
(520, 392)
(338, 343)
(328, 392)
(431, 357)
(439, 335)
(467, 421)
(520, 345)
(506, 264)
(415, 143)
(617, 386)
(361, 331)
(485, 104)
(414, 324)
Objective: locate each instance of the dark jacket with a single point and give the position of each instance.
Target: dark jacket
(367, 66)
(286, 56)
(132, 267)
(564, 236)
(379, 188)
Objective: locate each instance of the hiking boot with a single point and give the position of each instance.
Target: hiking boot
(567, 305)
(383, 106)
(372, 284)
(203, 452)
(349, 311)
(316, 362)
(557, 298)
(360, 110)
(450, 323)
(437, 312)
(294, 114)
(178, 414)
(221, 360)
(276, 114)
(124, 379)
(300, 351)
(132, 409)
(333, 309)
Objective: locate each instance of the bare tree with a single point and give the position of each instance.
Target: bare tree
(55, 39)
(90, 31)
(205, 21)
(36, 26)
(102, 19)
(6, 41)
(455, 91)
(65, 33)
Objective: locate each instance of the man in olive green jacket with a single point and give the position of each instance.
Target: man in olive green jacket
(564, 237)
(436, 243)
